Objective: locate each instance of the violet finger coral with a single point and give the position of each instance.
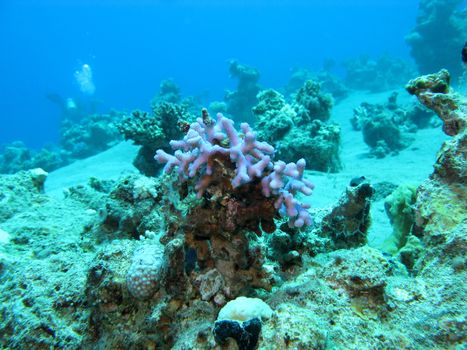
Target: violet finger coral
(205, 141)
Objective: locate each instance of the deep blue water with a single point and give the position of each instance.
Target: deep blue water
(133, 45)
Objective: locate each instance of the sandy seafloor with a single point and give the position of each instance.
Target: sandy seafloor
(411, 166)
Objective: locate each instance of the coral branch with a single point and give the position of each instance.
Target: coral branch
(206, 141)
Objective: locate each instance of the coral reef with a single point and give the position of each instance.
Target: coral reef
(318, 144)
(219, 251)
(385, 127)
(16, 156)
(380, 129)
(168, 92)
(274, 117)
(240, 102)
(91, 135)
(311, 105)
(364, 73)
(78, 139)
(329, 83)
(438, 36)
(296, 130)
(152, 131)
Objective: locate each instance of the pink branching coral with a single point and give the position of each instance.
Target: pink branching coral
(206, 140)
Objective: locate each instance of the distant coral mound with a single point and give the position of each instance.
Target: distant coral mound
(437, 39)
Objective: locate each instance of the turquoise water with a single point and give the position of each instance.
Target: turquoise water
(132, 46)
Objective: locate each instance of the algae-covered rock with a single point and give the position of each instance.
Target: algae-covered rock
(399, 208)
(346, 224)
(434, 91)
(21, 191)
(440, 209)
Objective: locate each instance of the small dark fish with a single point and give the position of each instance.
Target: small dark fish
(464, 53)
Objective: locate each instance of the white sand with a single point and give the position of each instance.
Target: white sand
(109, 164)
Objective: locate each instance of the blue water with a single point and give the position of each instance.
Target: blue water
(133, 45)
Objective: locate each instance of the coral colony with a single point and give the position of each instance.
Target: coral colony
(205, 140)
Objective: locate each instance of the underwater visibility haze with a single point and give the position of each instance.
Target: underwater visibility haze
(233, 174)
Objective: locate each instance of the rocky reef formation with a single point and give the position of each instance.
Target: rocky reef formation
(440, 209)
(381, 74)
(386, 127)
(434, 92)
(43, 304)
(78, 139)
(300, 130)
(329, 82)
(346, 224)
(90, 135)
(240, 102)
(439, 36)
(151, 131)
(16, 156)
(155, 130)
